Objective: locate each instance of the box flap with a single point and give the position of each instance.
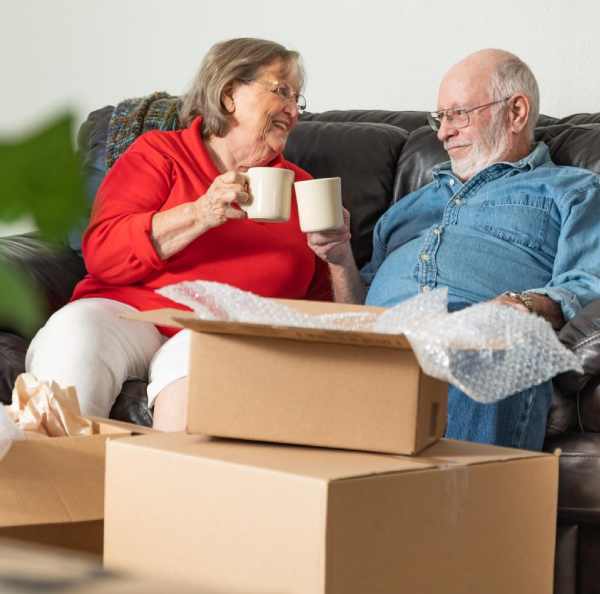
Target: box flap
(181, 319)
(161, 317)
(315, 463)
(323, 463)
(294, 333)
(464, 453)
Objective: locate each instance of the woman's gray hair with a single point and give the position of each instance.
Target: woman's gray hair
(226, 62)
(512, 76)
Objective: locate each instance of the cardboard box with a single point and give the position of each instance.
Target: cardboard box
(52, 489)
(243, 517)
(32, 569)
(341, 389)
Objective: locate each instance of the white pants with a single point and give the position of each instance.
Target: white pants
(87, 345)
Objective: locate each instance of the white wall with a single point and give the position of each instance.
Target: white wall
(358, 54)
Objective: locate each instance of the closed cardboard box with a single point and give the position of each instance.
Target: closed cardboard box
(245, 517)
(52, 489)
(341, 389)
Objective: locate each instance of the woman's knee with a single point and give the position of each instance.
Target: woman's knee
(77, 325)
(170, 407)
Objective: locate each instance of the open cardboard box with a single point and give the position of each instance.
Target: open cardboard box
(52, 488)
(240, 516)
(341, 389)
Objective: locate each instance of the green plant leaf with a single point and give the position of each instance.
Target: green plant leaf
(21, 309)
(41, 177)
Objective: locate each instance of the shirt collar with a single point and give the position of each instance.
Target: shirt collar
(538, 156)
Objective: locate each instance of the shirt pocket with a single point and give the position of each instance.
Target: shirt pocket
(520, 219)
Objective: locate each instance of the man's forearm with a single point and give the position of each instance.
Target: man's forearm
(346, 282)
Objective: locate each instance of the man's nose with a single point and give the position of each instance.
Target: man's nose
(446, 130)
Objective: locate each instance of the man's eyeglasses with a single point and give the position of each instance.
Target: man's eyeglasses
(284, 92)
(457, 118)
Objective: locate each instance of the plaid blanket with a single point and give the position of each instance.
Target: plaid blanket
(133, 117)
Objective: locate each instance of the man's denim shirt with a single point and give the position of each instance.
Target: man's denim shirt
(524, 226)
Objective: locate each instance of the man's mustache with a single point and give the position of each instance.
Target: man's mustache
(451, 145)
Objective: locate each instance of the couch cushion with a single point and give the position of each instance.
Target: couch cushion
(573, 144)
(12, 362)
(422, 151)
(53, 270)
(365, 156)
(407, 120)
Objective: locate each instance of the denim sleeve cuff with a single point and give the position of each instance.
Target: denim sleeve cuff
(569, 303)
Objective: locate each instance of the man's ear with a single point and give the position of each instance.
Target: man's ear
(519, 111)
(227, 100)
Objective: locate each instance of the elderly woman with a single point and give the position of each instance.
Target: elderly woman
(169, 211)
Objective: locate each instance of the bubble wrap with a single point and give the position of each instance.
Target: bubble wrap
(489, 351)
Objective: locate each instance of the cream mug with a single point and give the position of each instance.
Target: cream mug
(270, 194)
(320, 204)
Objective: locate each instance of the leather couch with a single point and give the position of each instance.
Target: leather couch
(381, 156)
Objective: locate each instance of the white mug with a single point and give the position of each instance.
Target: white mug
(270, 194)
(320, 204)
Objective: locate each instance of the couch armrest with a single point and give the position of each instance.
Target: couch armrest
(53, 270)
(582, 336)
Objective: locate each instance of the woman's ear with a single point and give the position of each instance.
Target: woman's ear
(227, 100)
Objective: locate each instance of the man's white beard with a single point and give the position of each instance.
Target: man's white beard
(490, 148)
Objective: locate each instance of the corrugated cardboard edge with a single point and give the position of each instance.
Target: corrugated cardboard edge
(122, 425)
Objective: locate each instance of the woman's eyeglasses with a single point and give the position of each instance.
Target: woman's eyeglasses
(284, 92)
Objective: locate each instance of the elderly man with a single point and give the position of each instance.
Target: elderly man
(499, 221)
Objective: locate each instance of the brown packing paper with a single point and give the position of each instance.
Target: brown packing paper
(47, 409)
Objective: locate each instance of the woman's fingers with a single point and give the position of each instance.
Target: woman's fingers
(232, 177)
(235, 193)
(332, 237)
(235, 213)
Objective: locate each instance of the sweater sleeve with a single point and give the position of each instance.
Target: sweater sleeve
(320, 287)
(117, 246)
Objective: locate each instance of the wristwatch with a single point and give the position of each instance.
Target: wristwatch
(524, 298)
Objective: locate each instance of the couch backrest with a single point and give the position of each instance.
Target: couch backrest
(380, 155)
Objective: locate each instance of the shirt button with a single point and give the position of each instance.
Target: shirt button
(451, 182)
(457, 202)
(425, 289)
(424, 257)
(437, 230)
